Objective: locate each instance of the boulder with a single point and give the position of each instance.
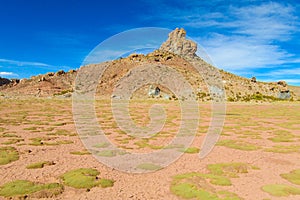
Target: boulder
(253, 79)
(60, 72)
(282, 83)
(285, 94)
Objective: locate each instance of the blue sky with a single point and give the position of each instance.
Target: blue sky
(248, 38)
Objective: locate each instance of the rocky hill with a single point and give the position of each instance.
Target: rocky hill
(177, 53)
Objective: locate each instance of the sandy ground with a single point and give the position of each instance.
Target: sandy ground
(260, 121)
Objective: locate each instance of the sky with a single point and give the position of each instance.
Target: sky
(249, 38)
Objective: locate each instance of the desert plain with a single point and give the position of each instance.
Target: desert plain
(256, 157)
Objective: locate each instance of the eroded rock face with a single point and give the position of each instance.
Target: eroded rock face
(178, 44)
(4, 81)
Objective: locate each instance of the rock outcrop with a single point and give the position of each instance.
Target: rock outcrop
(4, 81)
(178, 44)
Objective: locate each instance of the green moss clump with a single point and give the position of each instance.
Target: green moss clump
(8, 154)
(192, 150)
(281, 139)
(101, 145)
(63, 142)
(7, 134)
(229, 169)
(240, 145)
(293, 176)
(284, 149)
(33, 128)
(144, 143)
(39, 165)
(63, 92)
(149, 166)
(80, 152)
(214, 179)
(198, 186)
(106, 153)
(85, 178)
(282, 136)
(13, 141)
(189, 191)
(62, 132)
(40, 141)
(24, 188)
(106, 183)
(225, 195)
(281, 190)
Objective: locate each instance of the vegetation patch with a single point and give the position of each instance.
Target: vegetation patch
(13, 141)
(281, 190)
(23, 189)
(63, 92)
(40, 141)
(282, 136)
(293, 176)
(213, 179)
(149, 166)
(198, 186)
(144, 143)
(62, 132)
(40, 164)
(60, 124)
(85, 152)
(229, 169)
(109, 153)
(33, 128)
(240, 145)
(101, 145)
(8, 135)
(192, 150)
(85, 178)
(283, 149)
(8, 154)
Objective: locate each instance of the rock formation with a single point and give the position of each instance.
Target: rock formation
(178, 44)
(4, 81)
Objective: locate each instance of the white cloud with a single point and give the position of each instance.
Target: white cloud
(8, 74)
(250, 36)
(240, 52)
(237, 35)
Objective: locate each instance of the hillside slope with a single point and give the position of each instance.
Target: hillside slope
(177, 53)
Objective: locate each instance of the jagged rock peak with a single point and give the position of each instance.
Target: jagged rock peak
(178, 44)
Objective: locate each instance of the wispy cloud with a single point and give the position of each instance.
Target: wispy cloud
(268, 21)
(240, 52)
(238, 35)
(280, 72)
(24, 63)
(250, 36)
(24, 69)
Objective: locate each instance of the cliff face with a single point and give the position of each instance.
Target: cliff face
(176, 52)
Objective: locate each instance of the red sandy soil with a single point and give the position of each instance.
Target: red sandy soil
(261, 119)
